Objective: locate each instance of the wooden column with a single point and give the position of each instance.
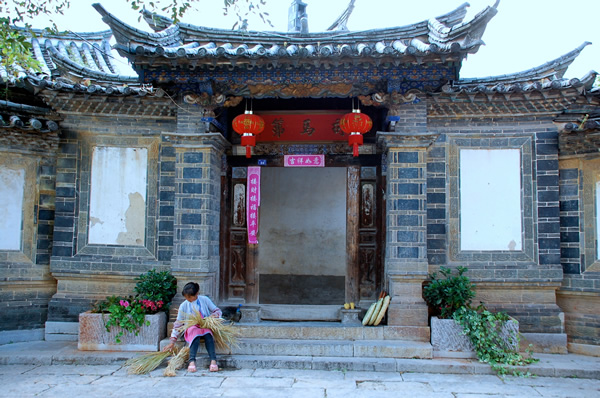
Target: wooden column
(352, 230)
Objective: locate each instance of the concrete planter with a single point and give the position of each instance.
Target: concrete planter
(94, 337)
(448, 340)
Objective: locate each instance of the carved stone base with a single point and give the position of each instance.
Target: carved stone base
(448, 340)
(350, 317)
(94, 337)
(250, 314)
(407, 307)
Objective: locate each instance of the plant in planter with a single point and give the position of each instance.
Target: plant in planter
(129, 314)
(156, 287)
(448, 294)
(493, 341)
(154, 292)
(493, 336)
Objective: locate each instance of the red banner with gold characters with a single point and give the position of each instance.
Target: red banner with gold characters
(253, 203)
(322, 126)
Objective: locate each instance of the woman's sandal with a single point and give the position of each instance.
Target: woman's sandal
(192, 367)
(213, 367)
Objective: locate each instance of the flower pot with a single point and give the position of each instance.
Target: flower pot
(448, 340)
(94, 337)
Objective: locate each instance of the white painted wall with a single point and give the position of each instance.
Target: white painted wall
(118, 196)
(490, 199)
(12, 189)
(598, 220)
(302, 221)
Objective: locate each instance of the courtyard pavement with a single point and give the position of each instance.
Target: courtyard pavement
(58, 369)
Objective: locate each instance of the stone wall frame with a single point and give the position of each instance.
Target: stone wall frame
(456, 142)
(29, 164)
(149, 249)
(591, 235)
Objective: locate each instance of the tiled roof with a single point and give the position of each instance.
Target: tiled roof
(426, 41)
(160, 22)
(80, 56)
(114, 88)
(15, 116)
(544, 77)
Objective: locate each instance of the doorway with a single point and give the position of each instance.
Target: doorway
(302, 250)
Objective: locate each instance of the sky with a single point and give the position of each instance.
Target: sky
(524, 34)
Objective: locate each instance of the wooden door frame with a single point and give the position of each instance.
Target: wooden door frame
(230, 246)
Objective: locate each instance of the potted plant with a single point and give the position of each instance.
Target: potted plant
(461, 330)
(132, 323)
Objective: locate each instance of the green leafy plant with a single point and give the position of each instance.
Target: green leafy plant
(484, 330)
(450, 292)
(128, 314)
(450, 296)
(156, 287)
(154, 292)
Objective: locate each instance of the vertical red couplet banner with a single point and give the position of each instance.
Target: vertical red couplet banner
(253, 203)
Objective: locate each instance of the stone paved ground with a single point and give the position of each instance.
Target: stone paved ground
(113, 381)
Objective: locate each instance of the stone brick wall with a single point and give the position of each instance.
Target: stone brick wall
(520, 282)
(166, 209)
(436, 204)
(25, 281)
(198, 167)
(86, 273)
(579, 296)
(570, 253)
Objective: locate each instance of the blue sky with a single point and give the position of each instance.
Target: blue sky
(524, 33)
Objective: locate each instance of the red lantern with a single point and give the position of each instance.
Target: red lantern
(248, 126)
(355, 124)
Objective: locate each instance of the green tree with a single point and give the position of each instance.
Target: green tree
(15, 49)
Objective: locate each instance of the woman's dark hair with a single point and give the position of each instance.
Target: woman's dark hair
(190, 289)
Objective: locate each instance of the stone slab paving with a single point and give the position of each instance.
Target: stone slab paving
(58, 369)
(65, 353)
(113, 381)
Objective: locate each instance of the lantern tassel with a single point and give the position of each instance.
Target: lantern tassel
(248, 152)
(355, 150)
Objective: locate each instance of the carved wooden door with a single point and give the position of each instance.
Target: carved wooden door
(364, 234)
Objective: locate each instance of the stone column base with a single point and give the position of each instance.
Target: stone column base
(250, 314)
(350, 317)
(407, 307)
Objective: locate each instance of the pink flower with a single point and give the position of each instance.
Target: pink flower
(160, 303)
(124, 303)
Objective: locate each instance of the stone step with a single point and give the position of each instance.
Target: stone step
(334, 348)
(330, 331)
(289, 312)
(307, 362)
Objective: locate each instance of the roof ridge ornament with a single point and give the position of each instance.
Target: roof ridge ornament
(297, 17)
(342, 21)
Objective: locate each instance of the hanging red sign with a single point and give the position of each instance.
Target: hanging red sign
(304, 160)
(252, 203)
(302, 127)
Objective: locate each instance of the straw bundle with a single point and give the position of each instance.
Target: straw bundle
(146, 363)
(177, 362)
(225, 334)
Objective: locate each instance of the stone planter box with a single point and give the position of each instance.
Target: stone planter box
(94, 337)
(448, 340)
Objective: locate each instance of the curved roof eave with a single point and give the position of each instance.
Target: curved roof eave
(76, 69)
(554, 69)
(160, 22)
(67, 35)
(183, 33)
